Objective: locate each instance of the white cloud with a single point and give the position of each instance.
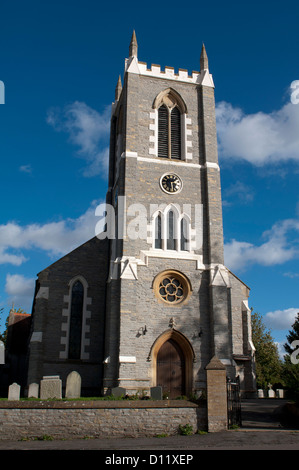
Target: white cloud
(238, 191)
(20, 290)
(281, 319)
(258, 138)
(279, 246)
(88, 130)
(17, 284)
(25, 169)
(55, 238)
(291, 275)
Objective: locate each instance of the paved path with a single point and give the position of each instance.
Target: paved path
(261, 430)
(262, 413)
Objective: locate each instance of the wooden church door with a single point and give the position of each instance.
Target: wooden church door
(171, 369)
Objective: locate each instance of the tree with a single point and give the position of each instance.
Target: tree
(291, 360)
(268, 364)
(3, 335)
(292, 336)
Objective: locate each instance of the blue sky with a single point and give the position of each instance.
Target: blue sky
(60, 61)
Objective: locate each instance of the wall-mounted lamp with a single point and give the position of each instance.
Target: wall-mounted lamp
(142, 330)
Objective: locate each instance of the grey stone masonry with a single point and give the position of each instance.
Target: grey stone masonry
(50, 317)
(135, 172)
(127, 319)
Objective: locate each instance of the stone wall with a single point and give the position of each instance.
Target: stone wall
(79, 419)
(48, 345)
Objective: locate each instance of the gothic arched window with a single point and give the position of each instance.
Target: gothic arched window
(163, 140)
(171, 230)
(76, 317)
(175, 130)
(158, 232)
(184, 234)
(169, 132)
(170, 117)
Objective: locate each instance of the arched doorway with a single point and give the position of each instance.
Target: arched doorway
(172, 358)
(171, 369)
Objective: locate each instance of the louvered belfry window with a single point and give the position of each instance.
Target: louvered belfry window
(175, 133)
(163, 132)
(169, 132)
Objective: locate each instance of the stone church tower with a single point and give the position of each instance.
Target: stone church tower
(149, 301)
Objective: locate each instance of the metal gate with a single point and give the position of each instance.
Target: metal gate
(234, 417)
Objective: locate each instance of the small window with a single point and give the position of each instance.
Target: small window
(76, 321)
(170, 231)
(184, 235)
(158, 232)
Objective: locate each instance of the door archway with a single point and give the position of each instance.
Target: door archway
(172, 363)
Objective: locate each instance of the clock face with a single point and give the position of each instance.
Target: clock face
(171, 183)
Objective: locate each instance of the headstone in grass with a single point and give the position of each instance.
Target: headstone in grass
(118, 391)
(50, 387)
(73, 385)
(33, 390)
(156, 393)
(14, 392)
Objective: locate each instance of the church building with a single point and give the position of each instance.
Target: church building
(148, 301)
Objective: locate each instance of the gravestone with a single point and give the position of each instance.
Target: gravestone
(73, 385)
(50, 387)
(271, 393)
(118, 391)
(156, 393)
(260, 393)
(2, 353)
(280, 393)
(14, 392)
(33, 390)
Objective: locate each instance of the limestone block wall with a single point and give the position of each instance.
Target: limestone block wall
(97, 419)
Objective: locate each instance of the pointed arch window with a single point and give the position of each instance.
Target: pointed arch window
(163, 140)
(175, 134)
(184, 232)
(171, 112)
(171, 230)
(158, 232)
(169, 132)
(76, 317)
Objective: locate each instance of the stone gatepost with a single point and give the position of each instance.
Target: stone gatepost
(216, 396)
